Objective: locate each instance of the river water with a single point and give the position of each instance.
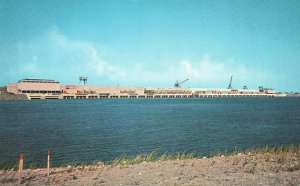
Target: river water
(88, 130)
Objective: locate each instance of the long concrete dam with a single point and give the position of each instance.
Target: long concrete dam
(51, 89)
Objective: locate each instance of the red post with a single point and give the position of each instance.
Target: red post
(21, 162)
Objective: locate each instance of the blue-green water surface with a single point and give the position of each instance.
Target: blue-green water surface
(88, 130)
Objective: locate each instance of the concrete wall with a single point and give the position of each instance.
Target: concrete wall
(12, 88)
(38, 86)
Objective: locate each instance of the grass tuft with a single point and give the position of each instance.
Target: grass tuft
(149, 157)
(293, 148)
(152, 156)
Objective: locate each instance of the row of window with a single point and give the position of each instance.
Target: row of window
(40, 81)
(41, 92)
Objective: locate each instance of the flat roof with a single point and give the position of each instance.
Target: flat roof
(28, 79)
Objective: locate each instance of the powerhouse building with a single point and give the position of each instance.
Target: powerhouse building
(52, 89)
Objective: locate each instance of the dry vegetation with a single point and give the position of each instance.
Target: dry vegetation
(261, 166)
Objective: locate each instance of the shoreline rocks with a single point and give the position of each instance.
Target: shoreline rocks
(8, 96)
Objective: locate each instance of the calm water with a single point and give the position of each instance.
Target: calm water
(88, 130)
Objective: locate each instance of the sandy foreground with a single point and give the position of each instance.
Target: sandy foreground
(241, 169)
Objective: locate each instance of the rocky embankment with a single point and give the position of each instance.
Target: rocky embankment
(9, 96)
(240, 169)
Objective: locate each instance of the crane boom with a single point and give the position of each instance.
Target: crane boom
(229, 86)
(177, 84)
(183, 81)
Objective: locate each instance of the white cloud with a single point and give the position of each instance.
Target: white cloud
(210, 73)
(53, 55)
(209, 70)
(56, 56)
(31, 67)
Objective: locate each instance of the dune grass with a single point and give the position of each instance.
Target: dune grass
(292, 148)
(150, 157)
(153, 156)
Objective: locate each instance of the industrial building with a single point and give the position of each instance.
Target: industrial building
(51, 89)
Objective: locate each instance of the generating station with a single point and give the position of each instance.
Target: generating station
(52, 89)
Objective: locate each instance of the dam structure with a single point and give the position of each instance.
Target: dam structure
(52, 89)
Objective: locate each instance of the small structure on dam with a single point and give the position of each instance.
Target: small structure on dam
(52, 89)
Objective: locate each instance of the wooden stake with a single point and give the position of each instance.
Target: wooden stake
(21, 167)
(48, 163)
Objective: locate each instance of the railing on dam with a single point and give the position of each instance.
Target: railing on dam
(164, 96)
(149, 96)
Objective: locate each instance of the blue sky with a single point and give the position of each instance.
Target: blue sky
(152, 43)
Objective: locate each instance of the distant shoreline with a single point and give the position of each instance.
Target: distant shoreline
(9, 97)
